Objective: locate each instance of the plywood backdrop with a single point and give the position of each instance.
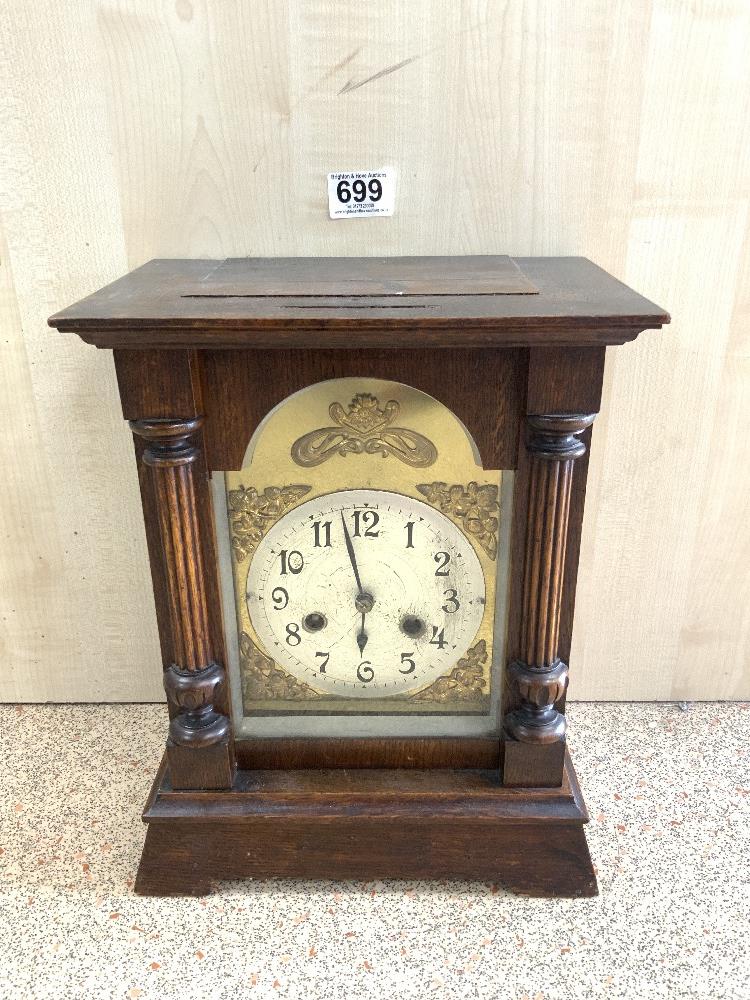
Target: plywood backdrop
(616, 130)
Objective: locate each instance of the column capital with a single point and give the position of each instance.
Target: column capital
(555, 436)
(171, 441)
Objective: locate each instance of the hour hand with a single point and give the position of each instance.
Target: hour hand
(362, 636)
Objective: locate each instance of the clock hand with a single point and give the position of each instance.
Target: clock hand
(363, 602)
(350, 550)
(362, 636)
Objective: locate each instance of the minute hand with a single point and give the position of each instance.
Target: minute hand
(350, 550)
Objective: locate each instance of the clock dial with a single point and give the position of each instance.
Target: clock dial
(366, 593)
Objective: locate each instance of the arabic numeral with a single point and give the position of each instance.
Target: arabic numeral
(367, 519)
(438, 637)
(323, 528)
(452, 598)
(280, 598)
(293, 638)
(365, 673)
(442, 559)
(409, 534)
(407, 658)
(324, 664)
(291, 562)
(359, 189)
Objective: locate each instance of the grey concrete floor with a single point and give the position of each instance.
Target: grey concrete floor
(668, 791)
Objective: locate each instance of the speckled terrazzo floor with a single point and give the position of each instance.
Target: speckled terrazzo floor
(669, 795)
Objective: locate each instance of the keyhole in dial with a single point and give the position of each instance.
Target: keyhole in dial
(412, 626)
(315, 621)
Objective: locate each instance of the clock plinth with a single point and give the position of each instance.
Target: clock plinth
(365, 630)
(338, 824)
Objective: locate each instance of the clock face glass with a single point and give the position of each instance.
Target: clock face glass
(364, 552)
(366, 593)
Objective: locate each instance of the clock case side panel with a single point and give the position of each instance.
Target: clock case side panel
(162, 385)
(559, 380)
(239, 389)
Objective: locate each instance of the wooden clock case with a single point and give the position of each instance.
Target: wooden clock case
(515, 348)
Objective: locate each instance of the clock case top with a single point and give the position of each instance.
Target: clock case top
(362, 302)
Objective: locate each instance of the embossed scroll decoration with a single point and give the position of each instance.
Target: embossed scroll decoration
(264, 679)
(364, 427)
(476, 508)
(251, 513)
(465, 682)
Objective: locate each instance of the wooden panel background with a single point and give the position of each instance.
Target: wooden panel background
(618, 130)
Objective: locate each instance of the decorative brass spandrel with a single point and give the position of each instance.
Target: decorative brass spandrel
(475, 507)
(263, 678)
(364, 428)
(357, 459)
(251, 513)
(466, 682)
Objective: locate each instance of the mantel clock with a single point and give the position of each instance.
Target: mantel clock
(363, 485)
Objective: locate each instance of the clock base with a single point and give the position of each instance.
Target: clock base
(365, 824)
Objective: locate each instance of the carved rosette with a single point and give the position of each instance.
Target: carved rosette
(252, 513)
(364, 428)
(475, 508)
(541, 677)
(192, 682)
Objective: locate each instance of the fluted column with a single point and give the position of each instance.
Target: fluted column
(194, 679)
(541, 676)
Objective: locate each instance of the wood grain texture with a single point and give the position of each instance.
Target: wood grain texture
(191, 129)
(244, 386)
(200, 746)
(471, 301)
(405, 824)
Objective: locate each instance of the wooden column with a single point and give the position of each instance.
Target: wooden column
(535, 730)
(199, 747)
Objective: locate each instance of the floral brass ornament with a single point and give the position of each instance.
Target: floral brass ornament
(465, 682)
(263, 679)
(252, 513)
(364, 428)
(475, 507)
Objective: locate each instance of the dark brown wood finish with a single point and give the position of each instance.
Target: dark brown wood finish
(158, 384)
(257, 754)
(405, 824)
(193, 681)
(241, 388)
(203, 351)
(157, 306)
(539, 675)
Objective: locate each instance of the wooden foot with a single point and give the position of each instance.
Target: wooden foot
(560, 866)
(169, 869)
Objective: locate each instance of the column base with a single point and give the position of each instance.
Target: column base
(540, 765)
(201, 767)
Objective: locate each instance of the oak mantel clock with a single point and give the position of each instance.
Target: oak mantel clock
(363, 486)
